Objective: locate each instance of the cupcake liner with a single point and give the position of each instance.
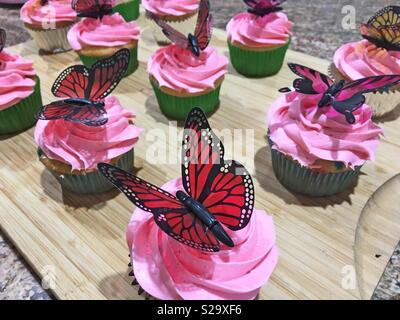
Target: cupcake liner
(137, 286)
(254, 63)
(129, 10)
(186, 26)
(51, 40)
(22, 115)
(133, 64)
(381, 103)
(303, 180)
(178, 108)
(92, 182)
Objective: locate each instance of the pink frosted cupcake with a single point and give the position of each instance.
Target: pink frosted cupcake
(169, 270)
(48, 23)
(71, 151)
(258, 45)
(315, 151)
(362, 59)
(181, 80)
(182, 15)
(96, 39)
(20, 96)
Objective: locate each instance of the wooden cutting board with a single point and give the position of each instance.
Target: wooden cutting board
(78, 243)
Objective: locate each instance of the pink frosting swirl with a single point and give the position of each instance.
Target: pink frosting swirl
(179, 70)
(362, 59)
(111, 31)
(83, 147)
(258, 32)
(16, 79)
(307, 133)
(171, 7)
(167, 269)
(55, 11)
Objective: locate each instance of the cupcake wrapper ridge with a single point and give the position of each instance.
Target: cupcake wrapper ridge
(22, 115)
(133, 64)
(51, 40)
(303, 180)
(257, 63)
(92, 182)
(178, 108)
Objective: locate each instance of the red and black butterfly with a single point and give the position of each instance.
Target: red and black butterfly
(344, 97)
(262, 8)
(217, 192)
(85, 90)
(92, 8)
(202, 35)
(383, 29)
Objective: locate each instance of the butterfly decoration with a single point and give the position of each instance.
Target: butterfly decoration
(92, 8)
(218, 193)
(202, 35)
(262, 8)
(44, 2)
(85, 90)
(344, 97)
(383, 29)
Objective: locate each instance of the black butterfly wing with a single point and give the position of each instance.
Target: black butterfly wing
(56, 110)
(310, 82)
(204, 26)
(375, 84)
(72, 82)
(347, 107)
(86, 114)
(105, 75)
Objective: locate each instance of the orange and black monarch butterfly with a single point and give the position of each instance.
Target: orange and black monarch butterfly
(383, 29)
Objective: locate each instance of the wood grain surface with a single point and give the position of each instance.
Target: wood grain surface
(81, 240)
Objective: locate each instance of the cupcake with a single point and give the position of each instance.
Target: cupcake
(257, 45)
(168, 270)
(96, 39)
(20, 96)
(181, 15)
(315, 151)
(362, 59)
(71, 151)
(49, 23)
(129, 9)
(181, 80)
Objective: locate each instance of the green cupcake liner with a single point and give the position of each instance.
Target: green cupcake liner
(178, 108)
(129, 10)
(303, 180)
(133, 64)
(93, 182)
(22, 115)
(257, 63)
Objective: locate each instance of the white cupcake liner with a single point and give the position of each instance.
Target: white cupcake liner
(51, 40)
(381, 103)
(185, 26)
